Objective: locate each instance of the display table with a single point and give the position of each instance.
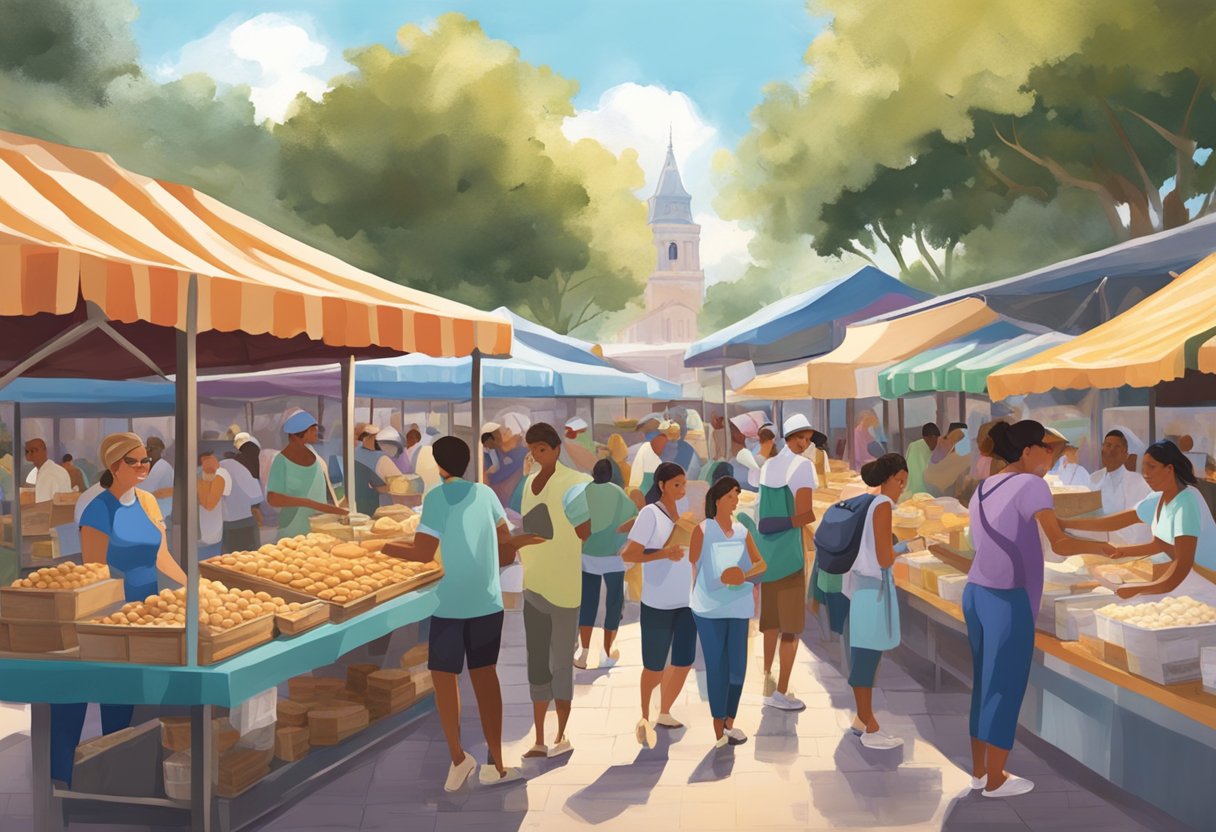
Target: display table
(1155, 741)
(43, 682)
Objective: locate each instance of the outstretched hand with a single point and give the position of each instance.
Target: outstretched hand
(675, 553)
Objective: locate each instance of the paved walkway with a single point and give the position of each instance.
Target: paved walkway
(800, 771)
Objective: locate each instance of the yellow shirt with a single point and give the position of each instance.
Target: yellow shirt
(554, 569)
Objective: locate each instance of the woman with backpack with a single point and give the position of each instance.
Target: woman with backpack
(667, 622)
(612, 514)
(724, 558)
(1003, 593)
(873, 610)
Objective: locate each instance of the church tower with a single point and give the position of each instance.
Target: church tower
(675, 290)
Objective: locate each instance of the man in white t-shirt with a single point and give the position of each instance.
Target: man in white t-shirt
(48, 477)
(1122, 490)
(241, 518)
(213, 486)
(160, 479)
(646, 461)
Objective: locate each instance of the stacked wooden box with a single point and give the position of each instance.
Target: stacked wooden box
(389, 692)
(415, 661)
(44, 620)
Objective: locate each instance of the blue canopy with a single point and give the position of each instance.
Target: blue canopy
(805, 325)
(1076, 295)
(64, 397)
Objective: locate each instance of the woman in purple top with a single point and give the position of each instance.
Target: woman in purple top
(1003, 593)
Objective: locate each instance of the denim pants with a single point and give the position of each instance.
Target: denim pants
(1000, 628)
(67, 723)
(614, 600)
(724, 645)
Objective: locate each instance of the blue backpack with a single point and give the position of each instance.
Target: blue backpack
(838, 538)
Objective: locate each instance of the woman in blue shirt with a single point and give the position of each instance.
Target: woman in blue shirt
(121, 527)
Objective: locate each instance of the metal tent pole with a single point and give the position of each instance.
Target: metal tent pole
(962, 407)
(249, 416)
(1152, 415)
(899, 415)
(18, 481)
(185, 487)
(475, 416)
(452, 419)
(725, 419)
(850, 416)
(348, 430)
(56, 452)
(886, 419)
(591, 405)
(371, 411)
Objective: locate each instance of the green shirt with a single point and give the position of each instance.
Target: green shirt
(782, 552)
(554, 569)
(307, 481)
(610, 508)
(464, 517)
(918, 461)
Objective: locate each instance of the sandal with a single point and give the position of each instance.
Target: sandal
(537, 750)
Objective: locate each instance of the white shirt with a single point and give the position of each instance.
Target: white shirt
(866, 564)
(87, 497)
(211, 521)
(49, 480)
(645, 461)
(160, 476)
(788, 469)
(666, 584)
(1122, 490)
(1070, 473)
(244, 493)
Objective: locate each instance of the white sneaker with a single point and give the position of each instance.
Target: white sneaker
(562, 746)
(880, 741)
(489, 776)
(737, 737)
(610, 659)
(858, 727)
(770, 685)
(722, 741)
(668, 721)
(580, 659)
(1012, 787)
(460, 773)
(784, 702)
(979, 782)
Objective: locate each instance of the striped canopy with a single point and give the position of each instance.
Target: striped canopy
(79, 231)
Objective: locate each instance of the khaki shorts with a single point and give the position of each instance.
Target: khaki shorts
(783, 604)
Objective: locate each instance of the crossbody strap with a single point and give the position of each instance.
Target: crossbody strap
(1006, 545)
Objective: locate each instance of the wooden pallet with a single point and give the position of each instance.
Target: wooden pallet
(167, 645)
(29, 604)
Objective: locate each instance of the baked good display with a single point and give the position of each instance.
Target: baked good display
(64, 576)
(219, 608)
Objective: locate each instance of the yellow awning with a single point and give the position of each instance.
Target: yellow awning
(851, 370)
(1146, 345)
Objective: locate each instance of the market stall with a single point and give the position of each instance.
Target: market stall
(112, 275)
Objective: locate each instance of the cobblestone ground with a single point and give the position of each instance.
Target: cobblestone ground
(798, 771)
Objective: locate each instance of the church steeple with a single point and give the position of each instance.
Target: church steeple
(670, 203)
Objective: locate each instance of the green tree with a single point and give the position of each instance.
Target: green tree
(449, 160)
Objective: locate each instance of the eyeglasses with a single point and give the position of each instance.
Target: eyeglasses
(133, 462)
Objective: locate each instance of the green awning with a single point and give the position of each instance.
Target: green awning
(971, 376)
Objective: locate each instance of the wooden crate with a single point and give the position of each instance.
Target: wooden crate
(40, 636)
(5, 644)
(312, 614)
(1074, 504)
(26, 604)
(291, 743)
(239, 580)
(240, 769)
(293, 714)
(356, 676)
(175, 733)
(330, 726)
(167, 645)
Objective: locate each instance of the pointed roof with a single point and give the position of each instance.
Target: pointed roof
(670, 203)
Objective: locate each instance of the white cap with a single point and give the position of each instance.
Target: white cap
(577, 423)
(490, 427)
(243, 437)
(389, 435)
(366, 429)
(795, 424)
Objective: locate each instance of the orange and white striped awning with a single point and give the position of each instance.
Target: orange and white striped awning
(1157, 340)
(76, 227)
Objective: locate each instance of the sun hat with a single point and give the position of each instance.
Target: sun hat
(298, 422)
(795, 424)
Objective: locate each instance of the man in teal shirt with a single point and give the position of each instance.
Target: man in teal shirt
(467, 519)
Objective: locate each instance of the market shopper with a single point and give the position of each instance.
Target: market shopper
(1122, 489)
(867, 436)
(919, 453)
(241, 506)
(214, 484)
(950, 463)
(121, 527)
(578, 451)
(787, 484)
(873, 626)
(48, 477)
(724, 558)
(611, 512)
(77, 476)
(646, 460)
(618, 455)
(668, 629)
(1180, 521)
(468, 521)
(298, 483)
(1004, 591)
(552, 582)
(248, 453)
(372, 469)
(1067, 469)
(160, 478)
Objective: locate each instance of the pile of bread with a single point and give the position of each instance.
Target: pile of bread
(65, 576)
(1183, 611)
(405, 526)
(219, 608)
(319, 565)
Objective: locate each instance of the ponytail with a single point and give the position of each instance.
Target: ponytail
(106, 479)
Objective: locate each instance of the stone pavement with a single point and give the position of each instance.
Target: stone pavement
(801, 771)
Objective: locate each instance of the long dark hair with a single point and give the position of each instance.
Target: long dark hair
(1010, 441)
(878, 471)
(602, 471)
(721, 487)
(1167, 453)
(666, 472)
(248, 455)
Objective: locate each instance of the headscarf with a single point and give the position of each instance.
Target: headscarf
(117, 445)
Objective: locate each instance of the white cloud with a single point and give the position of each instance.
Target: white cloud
(635, 116)
(277, 55)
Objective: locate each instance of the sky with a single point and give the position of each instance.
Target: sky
(699, 66)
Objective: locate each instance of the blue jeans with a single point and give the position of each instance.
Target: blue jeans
(724, 645)
(614, 600)
(67, 722)
(1000, 627)
(210, 550)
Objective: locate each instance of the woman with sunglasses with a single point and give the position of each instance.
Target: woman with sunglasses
(1003, 593)
(121, 527)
